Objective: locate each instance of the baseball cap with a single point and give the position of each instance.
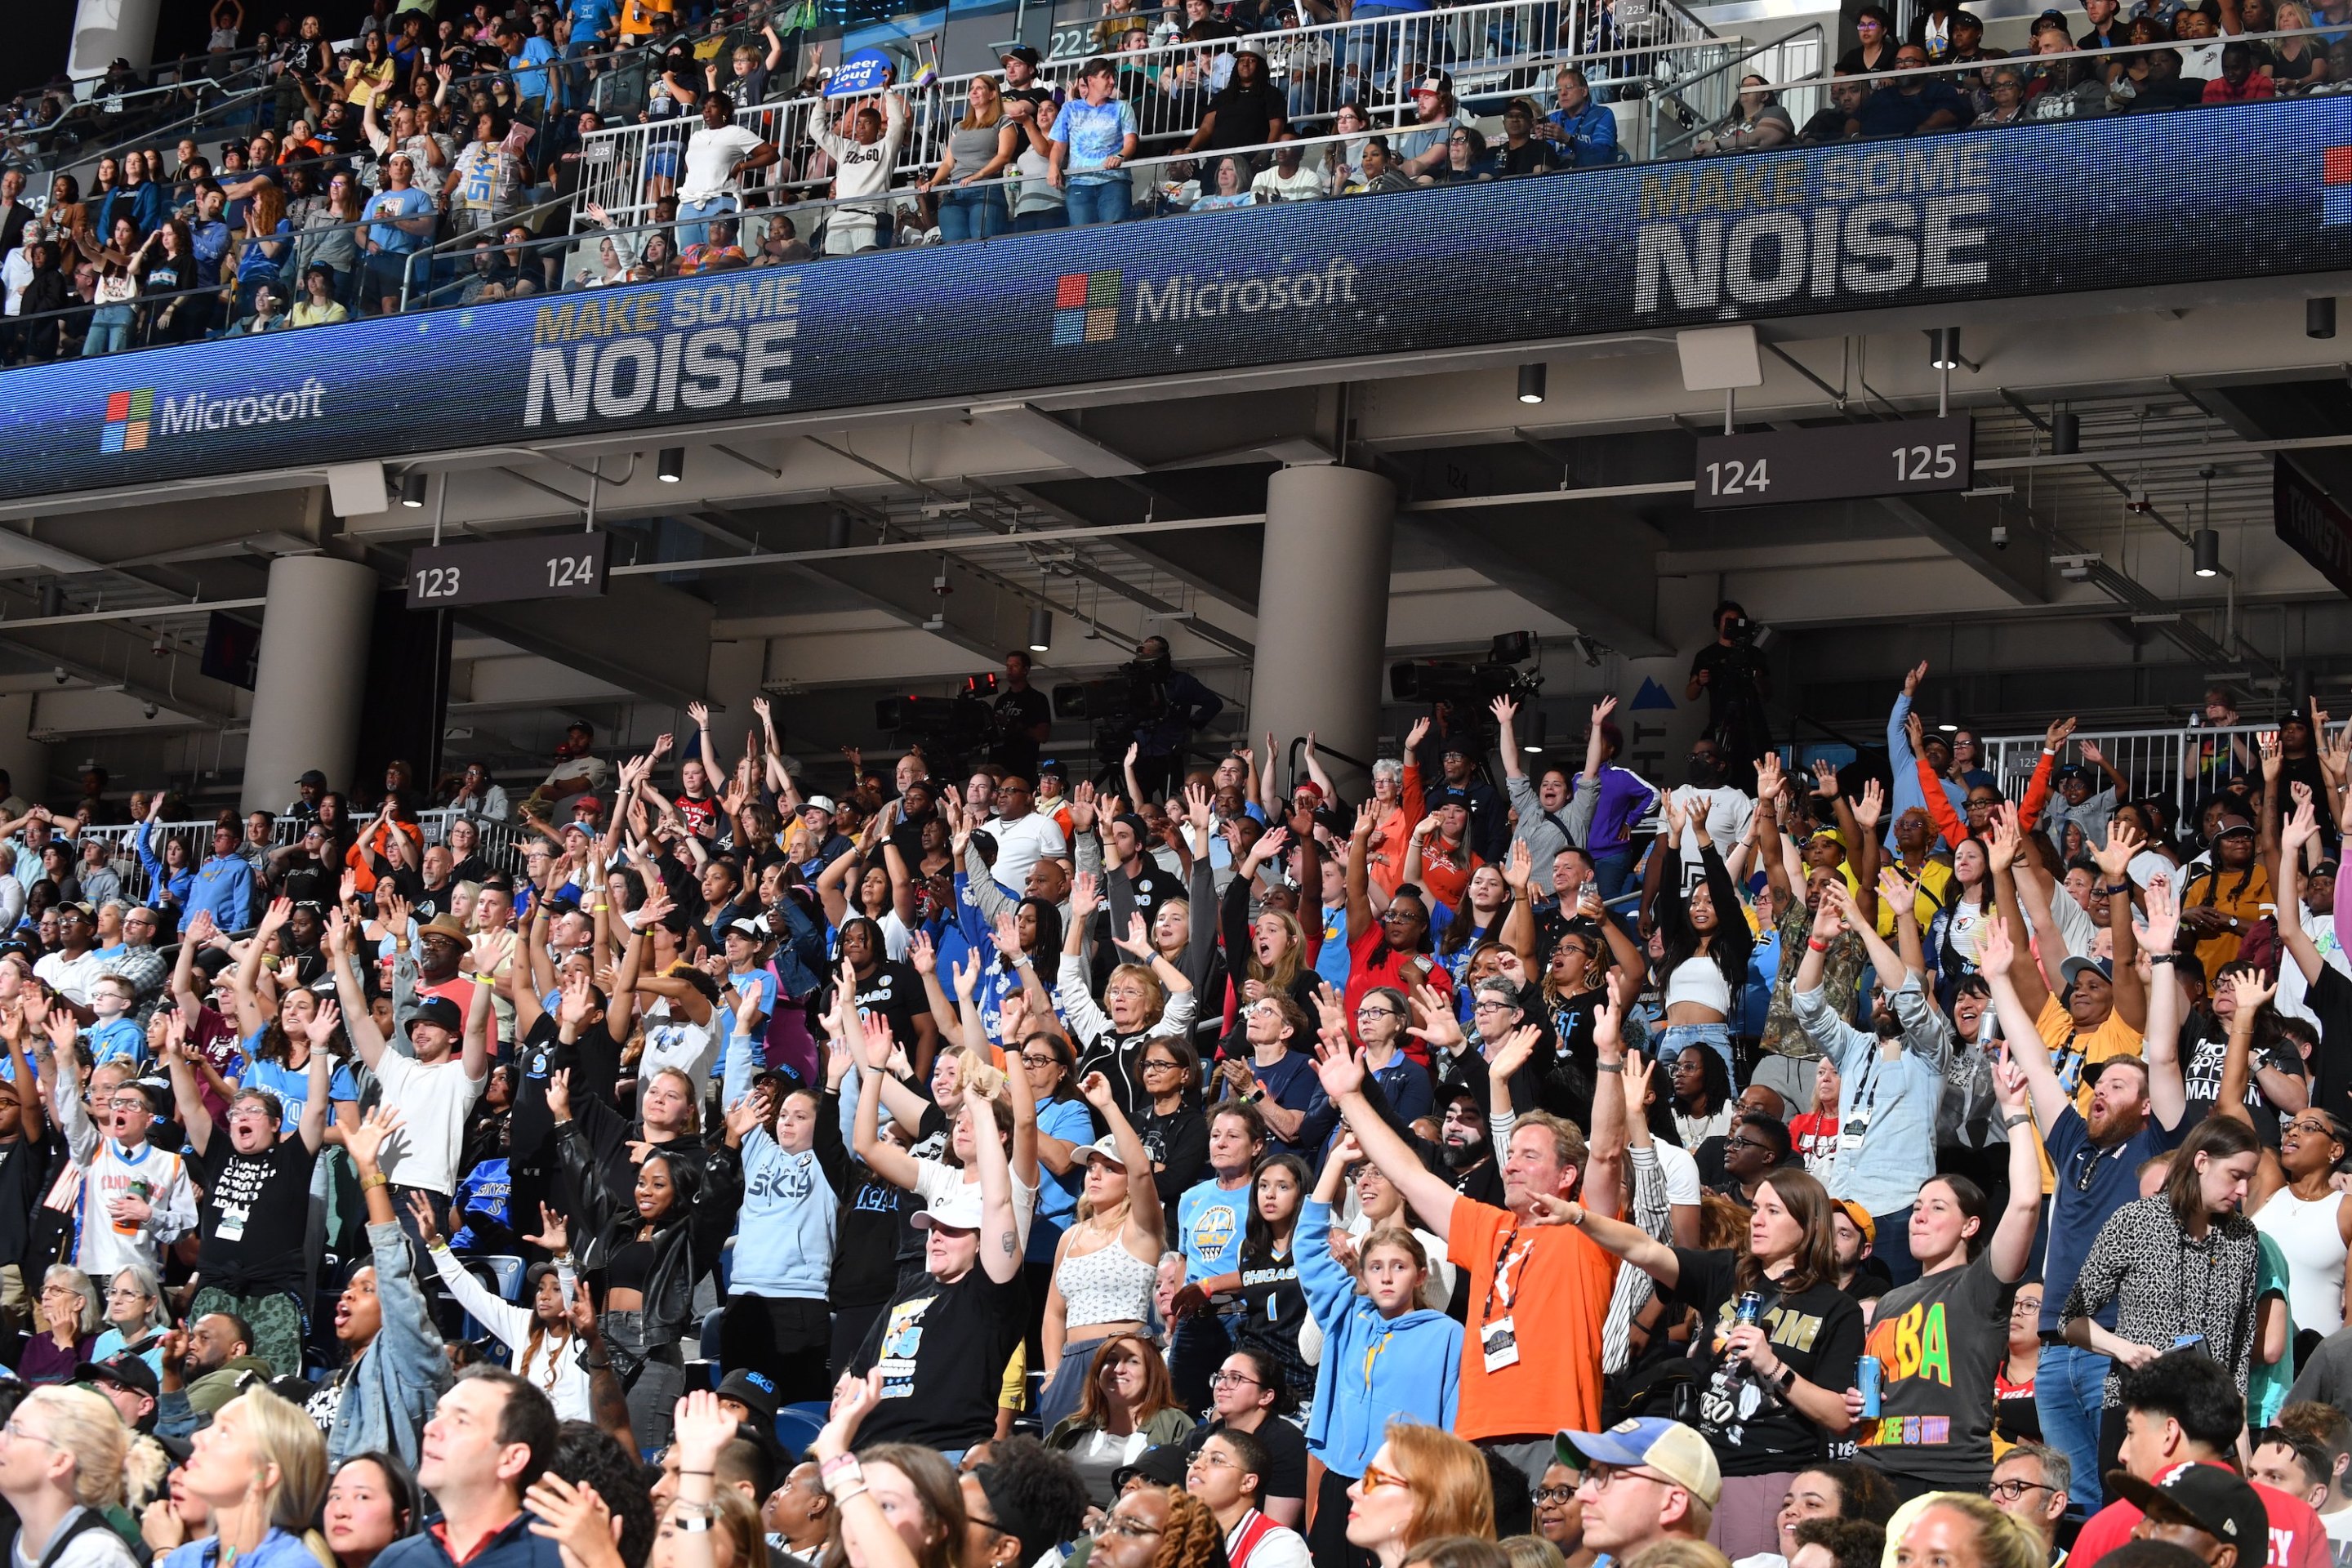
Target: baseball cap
(1164, 1466)
(1438, 797)
(753, 1391)
(959, 1208)
(1654, 1443)
(1967, 19)
(314, 778)
(2224, 1505)
(746, 926)
(1023, 52)
(1439, 83)
(823, 802)
(2233, 828)
(126, 1369)
(439, 1010)
(2074, 969)
(1862, 1220)
(2326, 867)
(1105, 1149)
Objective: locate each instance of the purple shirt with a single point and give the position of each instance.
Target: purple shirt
(1625, 800)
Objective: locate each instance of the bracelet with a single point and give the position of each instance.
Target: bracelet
(2164, 958)
(599, 909)
(837, 1464)
(1817, 944)
(857, 1490)
(1609, 1066)
(2111, 892)
(593, 1364)
(376, 1179)
(2022, 1119)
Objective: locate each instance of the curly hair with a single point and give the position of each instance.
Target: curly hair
(1191, 1539)
(588, 1454)
(1043, 1487)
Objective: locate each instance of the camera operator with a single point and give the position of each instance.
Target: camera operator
(1731, 672)
(1022, 721)
(1178, 705)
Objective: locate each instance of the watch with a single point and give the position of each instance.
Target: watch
(1787, 1378)
(2022, 1119)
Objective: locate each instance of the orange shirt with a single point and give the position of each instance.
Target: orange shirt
(1556, 1282)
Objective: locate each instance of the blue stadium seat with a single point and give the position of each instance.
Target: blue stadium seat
(505, 1273)
(710, 1334)
(797, 1425)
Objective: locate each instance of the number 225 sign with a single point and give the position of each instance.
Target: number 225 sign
(503, 571)
(1834, 462)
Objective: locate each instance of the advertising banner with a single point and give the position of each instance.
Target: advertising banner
(2219, 193)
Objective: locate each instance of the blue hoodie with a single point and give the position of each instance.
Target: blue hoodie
(1374, 1369)
(784, 1237)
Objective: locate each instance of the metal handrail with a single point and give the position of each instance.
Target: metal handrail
(785, 122)
(1680, 91)
(501, 843)
(2149, 757)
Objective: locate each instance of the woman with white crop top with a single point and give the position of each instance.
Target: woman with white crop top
(1108, 1260)
(1706, 940)
(2292, 1202)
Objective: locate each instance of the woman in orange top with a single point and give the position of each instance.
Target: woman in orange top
(1398, 799)
(375, 843)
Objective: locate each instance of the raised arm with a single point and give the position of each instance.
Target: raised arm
(1339, 1065)
(2011, 1248)
(1995, 956)
(888, 1160)
(1146, 1225)
(2115, 858)
(318, 1075)
(367, 1040)
(2168, 1093)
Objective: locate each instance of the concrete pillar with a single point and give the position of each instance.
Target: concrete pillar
(1323, 611)
(104, 30)
(312, 676)
(25, 758)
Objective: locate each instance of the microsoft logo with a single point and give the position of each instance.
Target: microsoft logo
(1085, 308)
(127, 417)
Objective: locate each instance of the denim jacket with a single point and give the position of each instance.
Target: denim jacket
(390, 1391)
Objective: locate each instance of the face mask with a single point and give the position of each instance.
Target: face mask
(1704, 773)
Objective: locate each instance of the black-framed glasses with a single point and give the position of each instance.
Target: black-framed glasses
(2012, 1489)
(1554, 1495)
(1054, 1061)
(1157, 1067)
(1747, 1144)
(1223, 1379)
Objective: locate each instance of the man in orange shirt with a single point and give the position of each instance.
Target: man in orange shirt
(1538, 1293)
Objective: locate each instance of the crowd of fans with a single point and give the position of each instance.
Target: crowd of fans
(456, 161)
(1009, 1163)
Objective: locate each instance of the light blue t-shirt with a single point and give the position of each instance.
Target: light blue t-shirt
(592, 17)
(122, 1040)
(1095, 131)
(528, 81)
(1332, 960)
(1058, 1196)
(387, 206)
(764, 981)
(1210, 1222)
(292, 1085)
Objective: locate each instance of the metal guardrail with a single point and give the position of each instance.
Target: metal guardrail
(500, 842)
(2150, 759)
(1493, 49)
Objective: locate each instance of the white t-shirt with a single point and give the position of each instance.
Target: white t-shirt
(71, 976)
(711, 159)
(432, 1102)
(1021, 843)
(2292, 987)
(1273, 186)
(675, 1040)
(1726, 814)
(1681, 1172)
(936, 1179)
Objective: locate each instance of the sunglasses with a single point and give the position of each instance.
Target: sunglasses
(1376, 1477)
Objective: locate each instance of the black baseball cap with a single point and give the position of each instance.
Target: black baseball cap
(753, 1391)
(1023, 52)
(2219, 1500)
(124, 1369)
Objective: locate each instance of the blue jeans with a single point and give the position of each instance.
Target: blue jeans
(110, 330)
(1044, 218)
(1098, 198)
(693, 219)
(1678, 1037)
(976, 214)
(2070, 1393)
(1891, 1246)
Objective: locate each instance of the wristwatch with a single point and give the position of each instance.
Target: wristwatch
(2022, 1119)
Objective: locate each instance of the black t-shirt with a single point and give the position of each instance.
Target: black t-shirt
(255, 1207)
(594, 1063)
(2330, 1001)
(1274, 1310)
(866, 1249)
(24, 1172)
(1285, 1454)
(1246, 115)
(1938, 1340)
(895, 991)
(1017, 713)
(1818, 1331)
(1178, 1143)
(1731, 678)
(943, 1349)
(2202, 1059)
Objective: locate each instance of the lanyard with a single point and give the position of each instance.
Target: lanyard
(1495, 1291)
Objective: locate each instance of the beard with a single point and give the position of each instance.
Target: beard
(1462, 1156)
(1885, 1024)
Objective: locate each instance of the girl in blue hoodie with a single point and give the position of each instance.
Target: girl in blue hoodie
(1385, 1355)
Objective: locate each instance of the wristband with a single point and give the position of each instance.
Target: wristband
(1787, 1380)
(837, 1464)
(374, 1179)
(1609, 1066)
(2119, 887)
(691, 1523)
(2164, 958)
(1817, 944)
(2022, 1119)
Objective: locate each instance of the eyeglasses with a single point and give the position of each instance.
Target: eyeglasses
(1376, 1477)
(14, 1430)
(1746, 1144)
(1599, 1478)
(1218, 1461)
(121, 1293)
(2012, 1489)
(1551, 1496)
(1050, 1061)
(1159, 1067)
(1222, 1379)
(1378, 1013)
(1130, 1527)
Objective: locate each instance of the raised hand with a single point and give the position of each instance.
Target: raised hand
(2009, 1085)
(2163, 918)
(874, 1031)
(1137, 941)
(2299, 828)
(1768, 776)
(701, 1429)
(1995, 952)
(1519, 867)
(1504, 710)
(1601, 709)
(699, 713)
(2090, 752)
(1870, 806)
(365, 1143)
(279, 911)
(1368, 817)
(1911, 681)
(966, 974)
(921, 954)
(2114, 855)
(1508, 1056)
(1825, 779)
(2252, 995)
(1086, 896)
(1438, 1026)
(321, 1029)
(2268, 740)
(1095, 1090)
(427, 1230)
(1341, 1066)
(559, 1094)
(1197, 802)
(554, 1232)
(1414, 736)
(392, 910)
(574, 1517)
(2055, 735)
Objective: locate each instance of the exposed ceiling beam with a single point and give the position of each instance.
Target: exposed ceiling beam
(1033, 427)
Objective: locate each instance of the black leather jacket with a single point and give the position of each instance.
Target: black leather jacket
(684, 1250)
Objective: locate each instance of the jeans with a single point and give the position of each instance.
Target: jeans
(110, 330)
(1891, 1244)
(2070, 1393)
(693, 225)
(1044, 218)
(976, 214)
(1098, 198)
(1678, 1037)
